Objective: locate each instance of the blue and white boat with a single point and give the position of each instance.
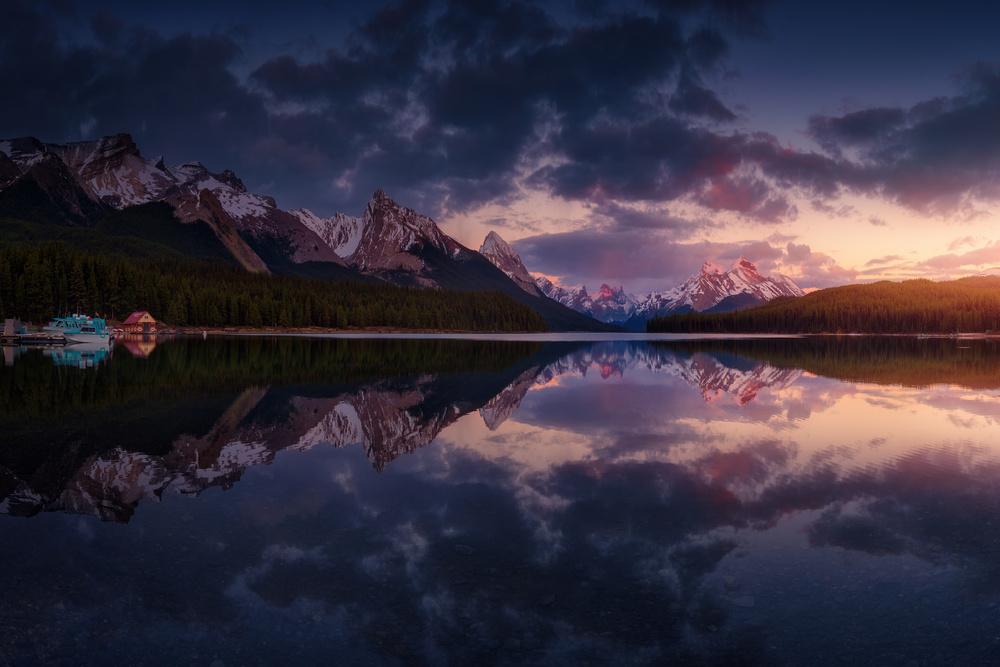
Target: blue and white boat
(94, 331)
(61, 325)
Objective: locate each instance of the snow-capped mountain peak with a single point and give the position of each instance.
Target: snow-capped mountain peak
(390, 231)
(387, 237)
(506, 259)
(712, 289)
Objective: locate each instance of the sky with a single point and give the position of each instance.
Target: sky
(619, 143)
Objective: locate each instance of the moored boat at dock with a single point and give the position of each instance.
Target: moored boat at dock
(60, 325)
(94, 331)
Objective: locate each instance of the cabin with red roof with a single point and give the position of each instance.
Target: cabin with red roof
(140, 322)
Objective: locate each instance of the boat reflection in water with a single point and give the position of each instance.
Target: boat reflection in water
(81, 355)
(814, 501)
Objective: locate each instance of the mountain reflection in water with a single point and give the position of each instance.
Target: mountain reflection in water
(809, 501)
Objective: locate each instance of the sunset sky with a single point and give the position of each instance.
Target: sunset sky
(625, 143)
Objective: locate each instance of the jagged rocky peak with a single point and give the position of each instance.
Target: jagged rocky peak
(505, 258)
(710, 268)
(232, 180)
(191, 169)
(608, 292)
(22, 148)
(119, 144)
(745, 266)
(495, 245)
(390, 235)
(88, 156)
(381, 202)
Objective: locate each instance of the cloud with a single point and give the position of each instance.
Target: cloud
(876, 221)
(859, 128)
(692, 98)
(636, 257)
(641, 259)
(884, 260)
(749, 196)
(842, 211)
(988, 254)
(797, 252)
(614, 217)
(757, 252)
(464, 101)
(939, 156)
(813, 270)
(964, 241)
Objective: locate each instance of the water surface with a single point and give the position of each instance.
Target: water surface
(516, 501)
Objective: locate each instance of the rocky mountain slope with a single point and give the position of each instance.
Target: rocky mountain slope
(507, 260)
(85, 180)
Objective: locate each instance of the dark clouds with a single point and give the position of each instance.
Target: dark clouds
(937, 156)
(472, 97)
(437, 102)
(175, 93)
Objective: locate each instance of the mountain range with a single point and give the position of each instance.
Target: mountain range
(711, 290)
(80, 184)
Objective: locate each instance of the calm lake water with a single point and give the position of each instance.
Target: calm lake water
(255, 501)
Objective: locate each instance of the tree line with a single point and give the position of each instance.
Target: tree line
(907, 307)
(39, 282)
(887, 360)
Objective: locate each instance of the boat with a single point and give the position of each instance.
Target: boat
(61, 325)
(94, 331)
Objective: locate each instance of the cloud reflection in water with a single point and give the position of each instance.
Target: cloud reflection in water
(620, 503)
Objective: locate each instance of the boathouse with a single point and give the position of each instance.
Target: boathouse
(140, 322)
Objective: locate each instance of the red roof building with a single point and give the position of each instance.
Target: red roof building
(140, 322)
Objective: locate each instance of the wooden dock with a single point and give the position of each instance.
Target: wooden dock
(14, 334)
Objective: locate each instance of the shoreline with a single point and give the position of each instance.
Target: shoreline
(219, 331)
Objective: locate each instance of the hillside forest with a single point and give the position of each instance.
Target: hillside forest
(909, 307)
(39, 281)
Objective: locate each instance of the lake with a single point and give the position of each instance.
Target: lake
(291, 500)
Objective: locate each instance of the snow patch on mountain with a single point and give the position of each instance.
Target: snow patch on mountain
(341, 232)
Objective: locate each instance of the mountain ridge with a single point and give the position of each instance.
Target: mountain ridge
(712, 289)
(78, 184)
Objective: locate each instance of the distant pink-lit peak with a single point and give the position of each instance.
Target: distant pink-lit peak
(744, 263)
(608, 292)
(710, 268)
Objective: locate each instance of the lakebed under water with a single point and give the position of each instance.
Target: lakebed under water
(521, 500)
